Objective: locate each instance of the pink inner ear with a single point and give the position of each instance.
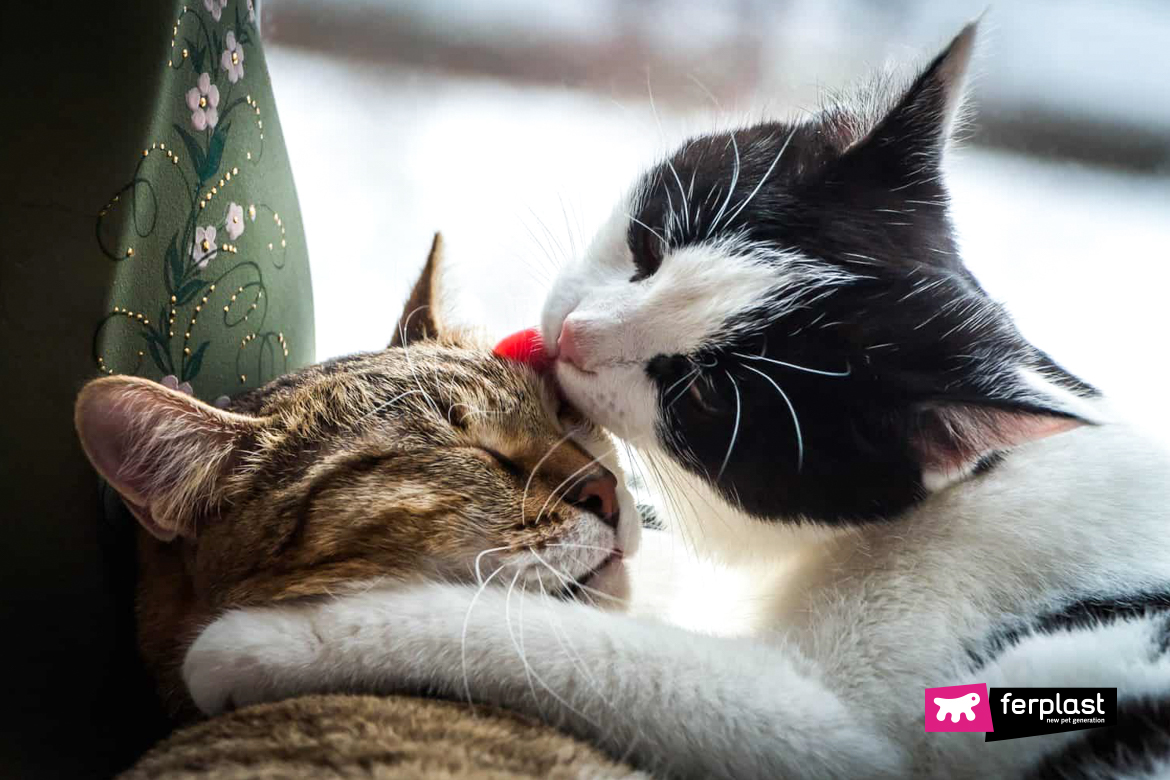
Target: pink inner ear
(526, 347)
(975, 432)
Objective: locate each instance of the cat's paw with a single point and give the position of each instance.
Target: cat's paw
(248, 656)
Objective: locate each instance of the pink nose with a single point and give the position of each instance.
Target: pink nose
(567, 346)
(597, 493)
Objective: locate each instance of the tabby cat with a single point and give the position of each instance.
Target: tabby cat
(431, 460)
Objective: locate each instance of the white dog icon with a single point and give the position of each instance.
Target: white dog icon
(964, 704)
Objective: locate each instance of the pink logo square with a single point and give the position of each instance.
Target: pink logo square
(958, 708)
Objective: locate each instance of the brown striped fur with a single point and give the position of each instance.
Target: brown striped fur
(405, 463)
(388, 738)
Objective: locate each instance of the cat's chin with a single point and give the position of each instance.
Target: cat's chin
(611, 585)
(606, 587)
(618, 398)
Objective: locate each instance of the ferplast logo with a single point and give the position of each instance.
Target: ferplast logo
(958, 708)
(1030, 712)
(1011, 713)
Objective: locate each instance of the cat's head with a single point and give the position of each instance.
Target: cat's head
(783, 310)
(431, 459)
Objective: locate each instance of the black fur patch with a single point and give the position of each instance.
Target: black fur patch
(1083, 613)
(914, 329)
(1137, 745)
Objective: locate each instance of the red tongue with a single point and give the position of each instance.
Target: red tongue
(525, 347)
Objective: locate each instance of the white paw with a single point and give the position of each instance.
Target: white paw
(249, 656)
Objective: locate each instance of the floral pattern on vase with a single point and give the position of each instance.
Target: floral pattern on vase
(211, 257)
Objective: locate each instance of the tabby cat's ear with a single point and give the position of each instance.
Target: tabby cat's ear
(163, 451)
(913, 135)
(422, 318)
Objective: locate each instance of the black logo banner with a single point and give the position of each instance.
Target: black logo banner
(1029, 712)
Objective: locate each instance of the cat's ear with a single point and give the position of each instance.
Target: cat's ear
(951, 437)
(162, 450)
(422, 318)
(915, 132)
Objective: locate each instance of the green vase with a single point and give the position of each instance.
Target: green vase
(151, 228)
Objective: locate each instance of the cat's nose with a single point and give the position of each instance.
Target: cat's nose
(597, 493)
(568, 346)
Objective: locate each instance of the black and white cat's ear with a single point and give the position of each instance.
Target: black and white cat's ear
(921, 122)
(422, 318)
(951, 438)
(163, 451)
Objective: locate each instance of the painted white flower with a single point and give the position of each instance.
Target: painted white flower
(203, 100)
(232, 59)
(252, 212)
(215, 7)
(204, 247)
(252, 11)
(235, 220)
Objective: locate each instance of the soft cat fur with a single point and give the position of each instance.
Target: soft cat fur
(372, 738)
(778, 319)
(433, 460)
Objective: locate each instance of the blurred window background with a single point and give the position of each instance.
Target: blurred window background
(514, 125)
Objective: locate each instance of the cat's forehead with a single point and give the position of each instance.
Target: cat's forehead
(423, 377)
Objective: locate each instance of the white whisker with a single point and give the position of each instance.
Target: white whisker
(463, 634)
(519, 645)
(730, 188)
(478, 558)
(637, 221)
(556, 491)
(568, 581)
(793, 366)
(767, 173)
(410, 361)
(792, 410)
(392, 401)
(682, 193)
(532, 473)
(678, 382)
(735, 431)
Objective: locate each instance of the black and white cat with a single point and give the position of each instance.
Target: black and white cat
(778, 319)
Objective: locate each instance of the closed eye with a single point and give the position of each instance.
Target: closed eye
(704, 395)
(503, 462)
(647, 248)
